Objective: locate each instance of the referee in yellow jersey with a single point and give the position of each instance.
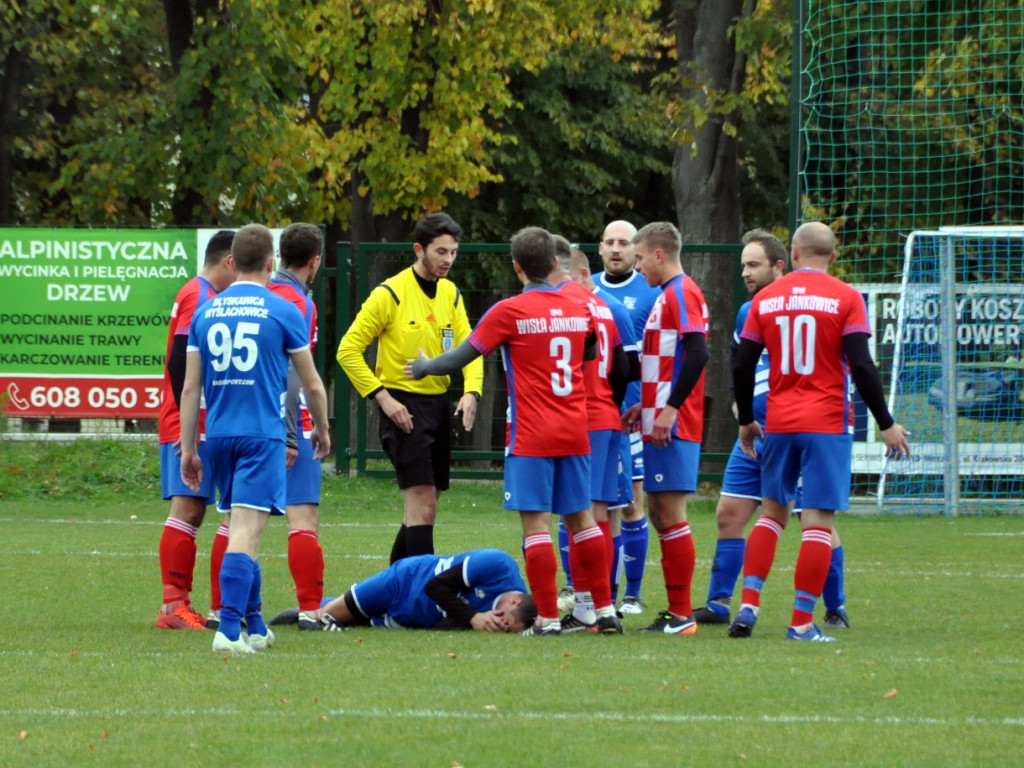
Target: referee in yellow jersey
(417, 309)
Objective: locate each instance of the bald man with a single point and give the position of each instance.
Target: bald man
(815, 330)
(623, 282)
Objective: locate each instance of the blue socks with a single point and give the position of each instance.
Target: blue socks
(634, 554)
(236, 580)
(725, 569)
(563, 550)
(254, 605)
(834, 594)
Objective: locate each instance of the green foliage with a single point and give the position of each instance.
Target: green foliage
(908, 687)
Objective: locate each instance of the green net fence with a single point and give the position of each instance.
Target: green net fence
(912, 118)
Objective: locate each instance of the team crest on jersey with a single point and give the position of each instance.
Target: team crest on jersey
(447, 339)
(629, 302)
(480, 593)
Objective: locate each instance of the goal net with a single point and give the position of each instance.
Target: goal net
(956, 370)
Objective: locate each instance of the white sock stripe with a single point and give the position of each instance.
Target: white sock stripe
(586, 534)
(770, 524)
(537, 540)
(222, 530)
(181, 525)
(677, 533)
(822, 537)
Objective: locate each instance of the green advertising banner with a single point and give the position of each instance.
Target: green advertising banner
(83, 318)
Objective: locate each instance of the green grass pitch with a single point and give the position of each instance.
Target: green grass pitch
(930, 674)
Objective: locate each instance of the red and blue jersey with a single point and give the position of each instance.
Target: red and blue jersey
(542, 333)
(245, 337)
(287, 286)
(680, 310)
(192, 295)
(602, 413)
(801, 320)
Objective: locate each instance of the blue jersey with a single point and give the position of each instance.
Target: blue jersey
(761, 372)
(490, 573)
(245, 336)
(638, 298)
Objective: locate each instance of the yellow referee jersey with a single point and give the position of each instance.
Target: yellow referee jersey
(405, 320)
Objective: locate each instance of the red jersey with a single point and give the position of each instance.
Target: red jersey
(288, 287)
(602, 413)
(192, 295)
(801, 320)
(542, 333)
(679, 310)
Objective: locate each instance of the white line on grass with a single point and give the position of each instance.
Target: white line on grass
(613, 717)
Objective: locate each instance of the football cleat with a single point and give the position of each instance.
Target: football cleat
(669, 624)
(213, 619)
(328, 624)
(837, 620)
(262, 642)
(609, 625)
(743, 624)
(566, 600)
(238, 647)
(571, 624)
(287, 616)
(812, 635)
(309, 620)
(550, 629)
(634, 606)
(182, 617)
(707, 614)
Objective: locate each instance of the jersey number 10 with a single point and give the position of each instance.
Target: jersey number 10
(796, 337)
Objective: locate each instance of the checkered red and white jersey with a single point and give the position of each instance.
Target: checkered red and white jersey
(801, 320)
(542, 333)
(680, 310)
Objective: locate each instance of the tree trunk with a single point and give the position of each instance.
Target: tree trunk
(10, 85)
(705, 182)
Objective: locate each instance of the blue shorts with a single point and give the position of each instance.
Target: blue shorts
(543, 484)
(672, 468)
(171, 483)
(304, 478)
(625, 484)
(605, 450)
(821, 461)
(636, 454)
(742, 477)
(248, 472)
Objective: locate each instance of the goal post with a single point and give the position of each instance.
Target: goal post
(956, 372)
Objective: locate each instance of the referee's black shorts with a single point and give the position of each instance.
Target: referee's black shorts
(422, 457)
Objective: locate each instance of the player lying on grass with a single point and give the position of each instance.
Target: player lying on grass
(481, 589)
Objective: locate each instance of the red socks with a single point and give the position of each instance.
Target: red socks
(541, 569)
(678, 557)
(306, 563)
(220, 545)
(812, 565)
(589, 565)
(758, 558)
(177, 559)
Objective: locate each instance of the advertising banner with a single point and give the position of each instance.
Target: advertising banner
(83, 318)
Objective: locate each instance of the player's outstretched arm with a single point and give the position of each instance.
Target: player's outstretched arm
(442, 365)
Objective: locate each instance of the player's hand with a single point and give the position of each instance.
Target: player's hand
(895, 439)
(414, 368)
(191, 469)
(290, 455)
(661, 434)
(395, 411)
(748, 434)
(467, 410)
(490, 621)
(630, 417)
(321, 442)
